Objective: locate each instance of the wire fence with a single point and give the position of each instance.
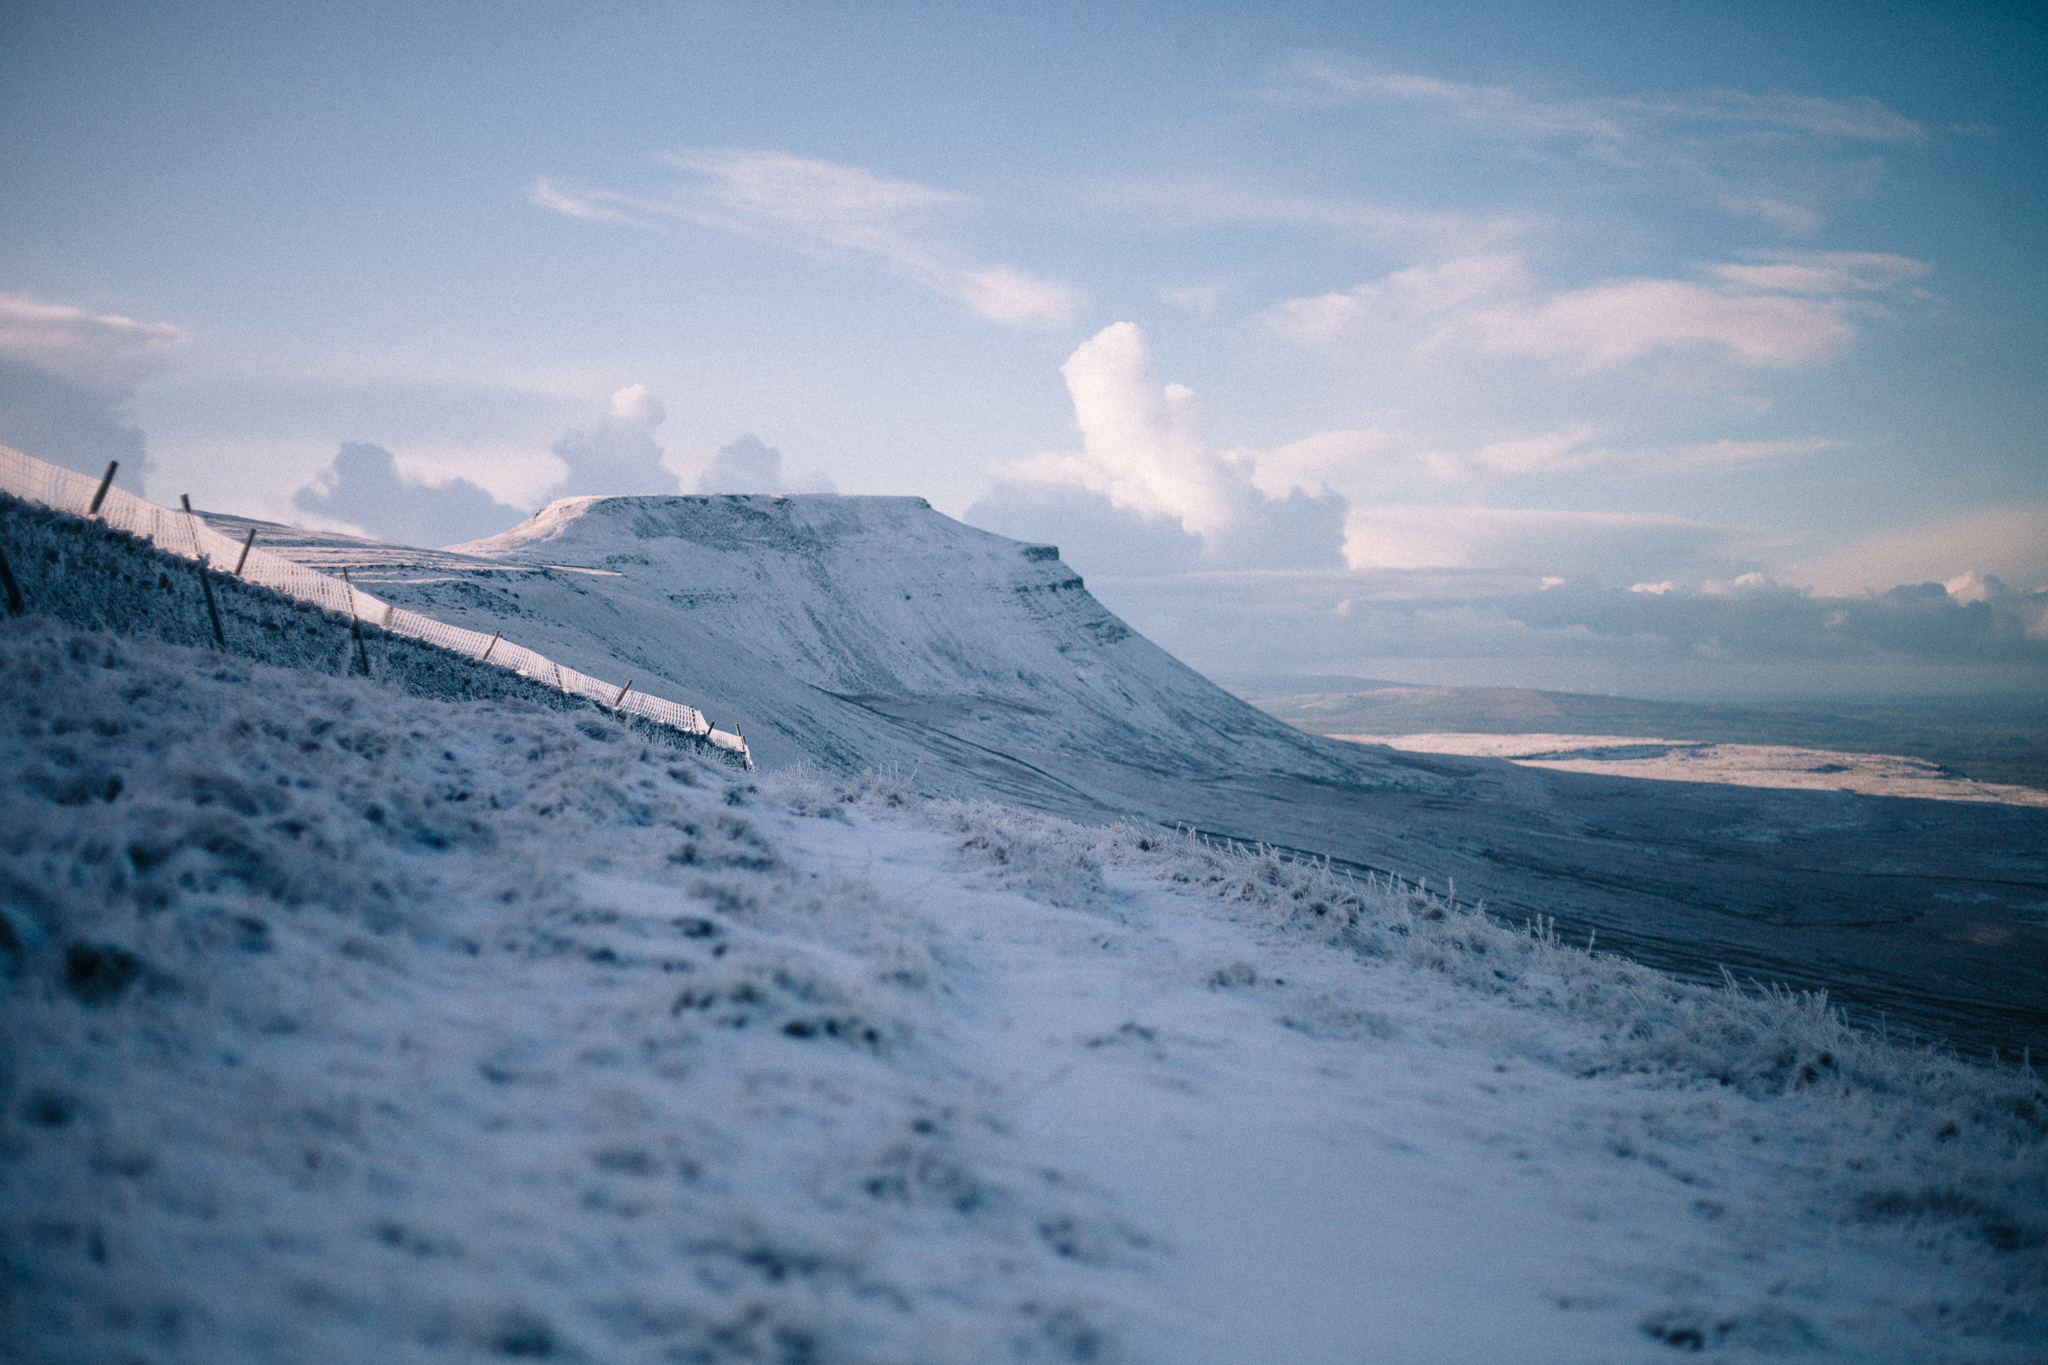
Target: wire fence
(186, 534)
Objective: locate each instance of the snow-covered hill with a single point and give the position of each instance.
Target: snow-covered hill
(873, 633)
(340, 1025)
(853, 632)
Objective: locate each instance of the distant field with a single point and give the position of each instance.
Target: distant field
(1998, 739)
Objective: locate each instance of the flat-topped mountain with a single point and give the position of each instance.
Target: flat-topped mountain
(854, 632)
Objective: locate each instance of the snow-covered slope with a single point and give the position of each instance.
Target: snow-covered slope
(338, 1025)
(851, 632)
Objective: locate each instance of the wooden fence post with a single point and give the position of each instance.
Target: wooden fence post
(205, 584)
(354, 626)
(106, 482)
(247, 541)
(15, 606)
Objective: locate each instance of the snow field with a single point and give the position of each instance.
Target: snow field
(347, 1025)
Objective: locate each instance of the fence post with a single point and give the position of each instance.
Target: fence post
(354, 626)
(622, 694)
(205, 584)
(485, 657)
(106, 482)
(247, 541)
(15, 606)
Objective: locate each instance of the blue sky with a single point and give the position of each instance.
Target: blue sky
(1585, 346)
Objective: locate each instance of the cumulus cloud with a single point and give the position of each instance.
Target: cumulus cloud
(750, 465)
(363, 488)
(1785, 313)
(619, 456)
(745, 466)
(65, 374)
(809, 203)
(1143, 467)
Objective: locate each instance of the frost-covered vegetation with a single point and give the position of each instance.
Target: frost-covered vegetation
(341, 1024)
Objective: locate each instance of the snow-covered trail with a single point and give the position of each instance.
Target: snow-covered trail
(1324, 1161)
(346, 1026)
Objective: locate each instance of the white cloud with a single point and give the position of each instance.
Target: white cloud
(1003, 295)
(619, 456)
(809, 203)
(1356, 462)
(1328, 459)
(1576, 449)
(750, 465)
(1794, 220)
(1199, 299)
(1779, 157)
(1211, 201)
(1140, 447)
(1612, 119)
(103, 353)
(2010, 542)
(364, 490)
(593, 206)
(1619, 321)
(1784, 313)
(1822, 272)
(1144, 483)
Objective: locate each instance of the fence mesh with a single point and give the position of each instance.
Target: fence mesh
(187, 535)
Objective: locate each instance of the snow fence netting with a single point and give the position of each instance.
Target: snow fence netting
(187, 535)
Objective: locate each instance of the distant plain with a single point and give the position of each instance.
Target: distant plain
(2000, 739)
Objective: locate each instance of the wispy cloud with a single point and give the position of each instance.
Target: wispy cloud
(99, 352)
(1579, 449)
(1357, 463)
(1204, 201)
(1779, 157)
(1782, 313)
(1532, 540)
(1615, 120)
(807, 203)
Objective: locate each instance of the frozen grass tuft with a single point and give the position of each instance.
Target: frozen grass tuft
(1938, 1148)
(342, 1024)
